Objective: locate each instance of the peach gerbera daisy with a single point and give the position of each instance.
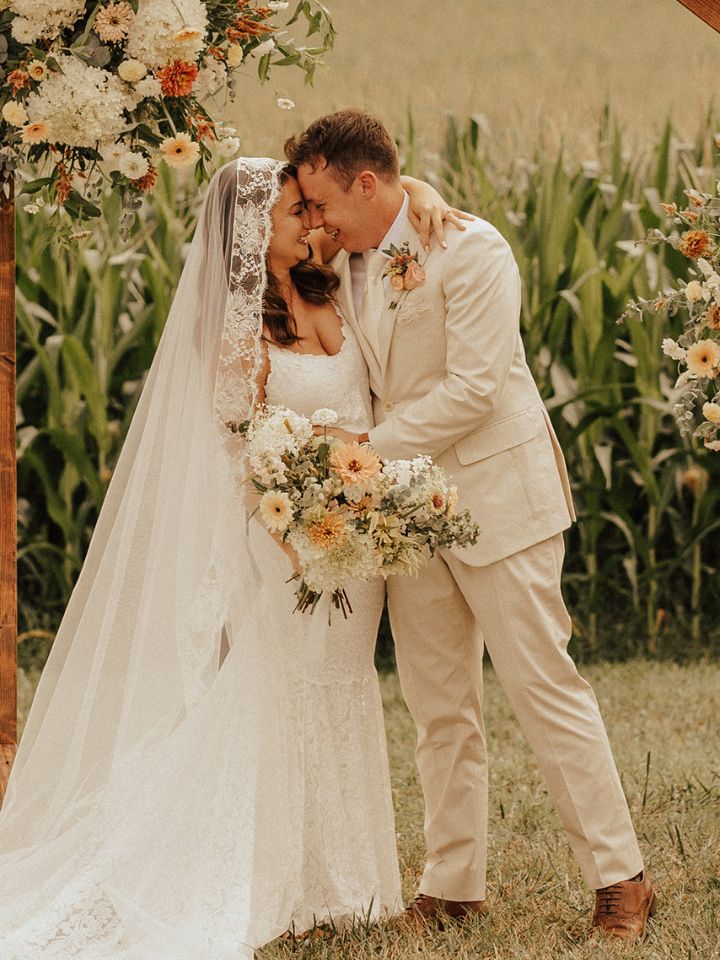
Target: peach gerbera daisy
(703, 358)
(180, 150)
(37, 132)
(355, 463)
(276, 510)
(328, 532)
(112, 23)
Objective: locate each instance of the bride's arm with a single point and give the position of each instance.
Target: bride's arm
(428, 211)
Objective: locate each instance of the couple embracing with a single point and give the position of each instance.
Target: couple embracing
(203, 770)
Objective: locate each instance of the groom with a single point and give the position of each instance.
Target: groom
(449, 379)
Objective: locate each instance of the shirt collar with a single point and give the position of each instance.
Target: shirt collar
(396, 233)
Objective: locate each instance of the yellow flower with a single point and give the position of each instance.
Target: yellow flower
(703, 358)
(180, 150)
(36, 69)
(328, 532)
(711, 412)
(355, 463)
(132, 71)
(235, 55)
(276, 510)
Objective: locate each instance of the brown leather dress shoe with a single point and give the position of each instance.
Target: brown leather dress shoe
(426, 910)
(622, 909)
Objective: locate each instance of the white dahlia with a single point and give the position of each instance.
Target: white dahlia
(165, 30)
(80, 104)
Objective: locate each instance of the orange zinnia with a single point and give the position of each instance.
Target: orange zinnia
(328, 532)
(355, 463)
(177, 78)
(695, 243)
(18, 79)
(712, 317)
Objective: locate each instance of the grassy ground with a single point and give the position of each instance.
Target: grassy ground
(663, 721)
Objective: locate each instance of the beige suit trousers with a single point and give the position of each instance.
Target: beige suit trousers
(515, 608)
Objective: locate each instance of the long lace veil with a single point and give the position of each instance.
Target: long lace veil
(167, 575)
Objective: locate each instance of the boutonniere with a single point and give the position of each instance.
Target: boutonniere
(404, 270)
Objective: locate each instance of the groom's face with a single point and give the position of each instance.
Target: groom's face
(345, 214)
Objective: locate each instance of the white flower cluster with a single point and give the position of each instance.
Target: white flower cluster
(164, 30)
(354, 558)
(44, 19)
(276, 431)
(80, 104)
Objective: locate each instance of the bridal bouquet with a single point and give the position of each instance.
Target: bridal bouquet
(346, 513)
(696, 235)
(106, 90)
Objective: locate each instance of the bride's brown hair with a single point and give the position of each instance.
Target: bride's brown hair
(314, 282)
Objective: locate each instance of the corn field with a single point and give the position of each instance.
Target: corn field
(641, 570)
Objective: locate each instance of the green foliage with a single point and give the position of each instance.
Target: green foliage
(642, 560)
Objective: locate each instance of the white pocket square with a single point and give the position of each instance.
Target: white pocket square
(410, 310)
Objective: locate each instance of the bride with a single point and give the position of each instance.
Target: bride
(202, 769)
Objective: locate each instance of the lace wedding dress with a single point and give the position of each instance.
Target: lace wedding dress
(170, 802)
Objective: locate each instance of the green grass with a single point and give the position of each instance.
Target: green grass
(663, 721)
(539, 908)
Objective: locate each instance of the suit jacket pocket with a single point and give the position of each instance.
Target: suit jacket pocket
(496, 437)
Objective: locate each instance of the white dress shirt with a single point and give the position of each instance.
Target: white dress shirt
(358, 261)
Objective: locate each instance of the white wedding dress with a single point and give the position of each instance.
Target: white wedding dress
(259, 811)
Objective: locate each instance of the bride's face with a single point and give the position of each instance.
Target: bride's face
(290, 225)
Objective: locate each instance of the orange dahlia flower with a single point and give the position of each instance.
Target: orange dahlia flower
(177, 78)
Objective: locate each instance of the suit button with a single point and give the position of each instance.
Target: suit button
(388, 405)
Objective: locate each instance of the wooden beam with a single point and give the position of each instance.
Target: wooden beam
(707, 10)
(8, 487)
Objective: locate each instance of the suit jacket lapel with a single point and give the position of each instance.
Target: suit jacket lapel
(387, 319)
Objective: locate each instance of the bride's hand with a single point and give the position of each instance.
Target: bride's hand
(337, 432)
(428, 211)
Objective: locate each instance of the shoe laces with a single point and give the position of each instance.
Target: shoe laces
(609, 899)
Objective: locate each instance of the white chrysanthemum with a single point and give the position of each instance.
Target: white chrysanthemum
(148, 87)
(133, 165)
(14, 113)
(113, 153)
(44, 19)
(285, 104)
(180, 150)
(711, 412)
(276, 510)
(80, 104)
(278, 431)
(235, 55)
(693, 291)
(673, 350)
(324, 418)
(132, 70)
(156, 34)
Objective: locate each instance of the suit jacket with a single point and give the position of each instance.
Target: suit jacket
(452, 381)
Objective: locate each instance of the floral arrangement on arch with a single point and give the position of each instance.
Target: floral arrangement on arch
(696, 235)
(104, 91)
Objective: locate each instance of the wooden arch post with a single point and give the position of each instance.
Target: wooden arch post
(707, 10)
(8, 487)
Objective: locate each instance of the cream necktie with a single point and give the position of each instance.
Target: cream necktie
(373, 299)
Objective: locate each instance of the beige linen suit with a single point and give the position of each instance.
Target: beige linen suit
(449, 379)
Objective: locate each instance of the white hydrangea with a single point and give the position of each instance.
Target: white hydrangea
(44, 19)
(153, 33)
(148, 87)
(211, 79)
(80, 104)
(279, 431)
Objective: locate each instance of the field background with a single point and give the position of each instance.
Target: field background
(534, 68)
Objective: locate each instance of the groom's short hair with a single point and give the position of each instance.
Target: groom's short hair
(349, 141)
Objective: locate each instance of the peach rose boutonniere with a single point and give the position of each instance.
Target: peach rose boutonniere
(404, 270)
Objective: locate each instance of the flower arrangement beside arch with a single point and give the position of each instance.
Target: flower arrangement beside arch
(104, 91)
